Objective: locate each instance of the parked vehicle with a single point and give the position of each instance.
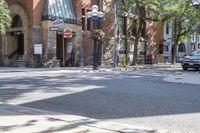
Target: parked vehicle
(191, 61)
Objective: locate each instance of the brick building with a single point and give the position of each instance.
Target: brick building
(152, 34)
(31, 24)
(33, 18)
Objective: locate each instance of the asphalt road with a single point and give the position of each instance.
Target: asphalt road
(140, 98)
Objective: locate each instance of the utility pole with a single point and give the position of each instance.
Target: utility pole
(115, 36)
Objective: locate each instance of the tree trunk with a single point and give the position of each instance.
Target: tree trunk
(175, 38)
(137, 37)
(174, 53)
(135, 50)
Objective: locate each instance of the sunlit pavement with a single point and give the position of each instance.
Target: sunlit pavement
(17, 119)
(161, 99)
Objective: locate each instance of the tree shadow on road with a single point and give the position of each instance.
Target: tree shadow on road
(114, 96)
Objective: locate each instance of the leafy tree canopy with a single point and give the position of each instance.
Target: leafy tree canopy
(5, 19)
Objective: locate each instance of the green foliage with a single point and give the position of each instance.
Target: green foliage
(184, 13)
(5, 19)
(181, 11)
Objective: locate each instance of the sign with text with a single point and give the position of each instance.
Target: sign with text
(53, 28)
(37, 48)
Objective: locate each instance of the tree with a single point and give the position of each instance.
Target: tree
(5, 19)
(183, 16)
(181, 13)
(142, 11)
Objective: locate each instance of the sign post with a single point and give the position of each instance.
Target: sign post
(67, 33)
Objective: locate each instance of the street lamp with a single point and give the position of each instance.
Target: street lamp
(196, 3)
(95, 14)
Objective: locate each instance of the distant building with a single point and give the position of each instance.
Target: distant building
(184, 47)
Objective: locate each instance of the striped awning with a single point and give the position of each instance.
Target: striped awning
(59, 9)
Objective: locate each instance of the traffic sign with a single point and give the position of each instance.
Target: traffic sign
(67, 33)
(53, 28)
(58, 22)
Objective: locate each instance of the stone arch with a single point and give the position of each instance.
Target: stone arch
(16, 22)
(19, 11)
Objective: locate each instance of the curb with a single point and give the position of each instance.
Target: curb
(88, 68)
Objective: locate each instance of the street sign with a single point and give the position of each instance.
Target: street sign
(67, 33)
(53, 28)
(58, 22)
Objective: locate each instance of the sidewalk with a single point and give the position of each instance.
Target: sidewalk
(18, 119)
(89, 68)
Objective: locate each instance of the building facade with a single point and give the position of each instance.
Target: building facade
(186, 46)
(36, 35)
(30, 33)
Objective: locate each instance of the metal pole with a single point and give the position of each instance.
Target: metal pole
(95, 65)
(95, 53)
(63, 43)
(115, 37)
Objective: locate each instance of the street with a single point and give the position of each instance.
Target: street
(167, 99)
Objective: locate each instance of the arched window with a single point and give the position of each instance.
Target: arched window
(16, 22)
(181, 48)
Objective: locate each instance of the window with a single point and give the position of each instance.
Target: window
(83, 11)
(181, 48)
(122, 25)
(192, 46)
(167, 28)
(83, 23)
(16, 22)
(88, 24)
(193, 39)
(166, 48)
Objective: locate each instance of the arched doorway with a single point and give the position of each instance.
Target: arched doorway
(15, 41)
(17, 37)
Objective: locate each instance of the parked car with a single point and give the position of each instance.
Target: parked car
(191, 61)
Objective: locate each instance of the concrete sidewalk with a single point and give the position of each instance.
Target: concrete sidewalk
(89, 68)
(18, 119)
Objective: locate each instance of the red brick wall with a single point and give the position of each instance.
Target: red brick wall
(37, 11)
(34, 9)
(155, 36)
(87, 42)
(106, 23)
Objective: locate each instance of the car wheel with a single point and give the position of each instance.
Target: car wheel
(197, 69)
(184, 68)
